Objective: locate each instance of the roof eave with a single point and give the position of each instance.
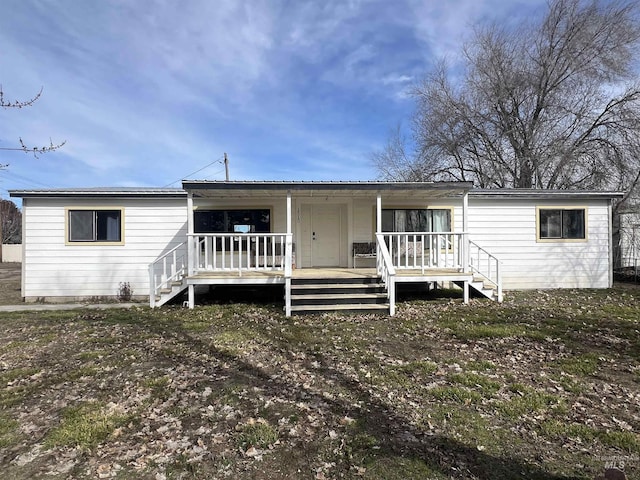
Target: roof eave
(543, 194)
(177, 193)
(322, 185)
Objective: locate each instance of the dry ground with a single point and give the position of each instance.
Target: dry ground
(546, 385)
(10, 284)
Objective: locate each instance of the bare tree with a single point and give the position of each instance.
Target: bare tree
(395, 163)
(547, 105)
(10, 222)
(23, 147)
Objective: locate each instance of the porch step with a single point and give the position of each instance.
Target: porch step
(484, 288)
(339, 299)
(167, 294)
(355, 307)
(333, 288)
(355, 294)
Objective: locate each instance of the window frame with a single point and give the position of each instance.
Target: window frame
(67, 229)
(541, 239)
(403, 207)
(234, 209)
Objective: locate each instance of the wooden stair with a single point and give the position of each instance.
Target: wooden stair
(483, 287)
(167, 294)
(352, 294)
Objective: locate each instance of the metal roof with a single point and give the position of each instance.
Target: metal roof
(321, 185)
(210, 189)
(96, 192)
(527, 193)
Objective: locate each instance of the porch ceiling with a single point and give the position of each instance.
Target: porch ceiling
(218, 189)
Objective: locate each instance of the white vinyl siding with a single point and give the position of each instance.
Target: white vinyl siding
(54, 268)
(507, 229)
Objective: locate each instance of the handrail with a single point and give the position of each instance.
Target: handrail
(241, 252)
(163, 278)
(478, 259)
(426, 250)
(386, 271)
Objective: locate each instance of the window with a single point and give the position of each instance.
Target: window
(561, 224)
(416, 220)
(95, 226)
(233, 221)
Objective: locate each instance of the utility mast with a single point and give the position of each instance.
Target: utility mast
(226, 166)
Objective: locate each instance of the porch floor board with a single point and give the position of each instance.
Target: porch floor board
(277, 276)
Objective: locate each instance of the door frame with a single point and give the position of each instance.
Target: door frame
(305, 250)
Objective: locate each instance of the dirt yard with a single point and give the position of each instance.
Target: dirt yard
(10, 283)
(543, 386)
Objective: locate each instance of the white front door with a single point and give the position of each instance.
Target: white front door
(326, 221)
(323, 236)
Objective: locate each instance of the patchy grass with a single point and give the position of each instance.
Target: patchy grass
(582, 365)
(527, 401)
(481, 383)
(257, 434)
(10, 284)
(8, 431)
(459, 395)
(84, 426)
(540, 387)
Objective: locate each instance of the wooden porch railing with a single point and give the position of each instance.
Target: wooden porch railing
(386, 271)
(426, 250)
(167, 269)
(240, 252)
(485, 265)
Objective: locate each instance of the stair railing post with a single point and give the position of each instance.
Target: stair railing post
(466, 251)
(152, 287)
(499, 280)
(392, 295)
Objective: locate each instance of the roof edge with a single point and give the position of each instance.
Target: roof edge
(321, 185)
(113, 192)
(542, 193)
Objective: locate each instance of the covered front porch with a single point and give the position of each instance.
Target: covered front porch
(321, 224)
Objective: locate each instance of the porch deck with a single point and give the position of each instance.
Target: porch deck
(277, 276)
(268, 259)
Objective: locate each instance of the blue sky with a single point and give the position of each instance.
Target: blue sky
(146, 93)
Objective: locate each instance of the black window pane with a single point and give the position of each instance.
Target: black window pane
(387, 221)
(550, 223)
(416, 221)
(81, 225)
(573, 224)
(262, 221)
(108, 226)
(209, 221)
(230, 221)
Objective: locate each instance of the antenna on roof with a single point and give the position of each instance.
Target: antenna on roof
(226, 166)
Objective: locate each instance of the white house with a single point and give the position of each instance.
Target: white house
(332, 245)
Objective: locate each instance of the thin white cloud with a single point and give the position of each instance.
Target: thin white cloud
(145, 92)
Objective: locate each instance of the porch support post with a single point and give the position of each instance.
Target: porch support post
(379, 213)
(287, 296)
(288, 259)
(465, 226)
(192, 296)
(465, 291)
(289, 229)
(190, 250)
